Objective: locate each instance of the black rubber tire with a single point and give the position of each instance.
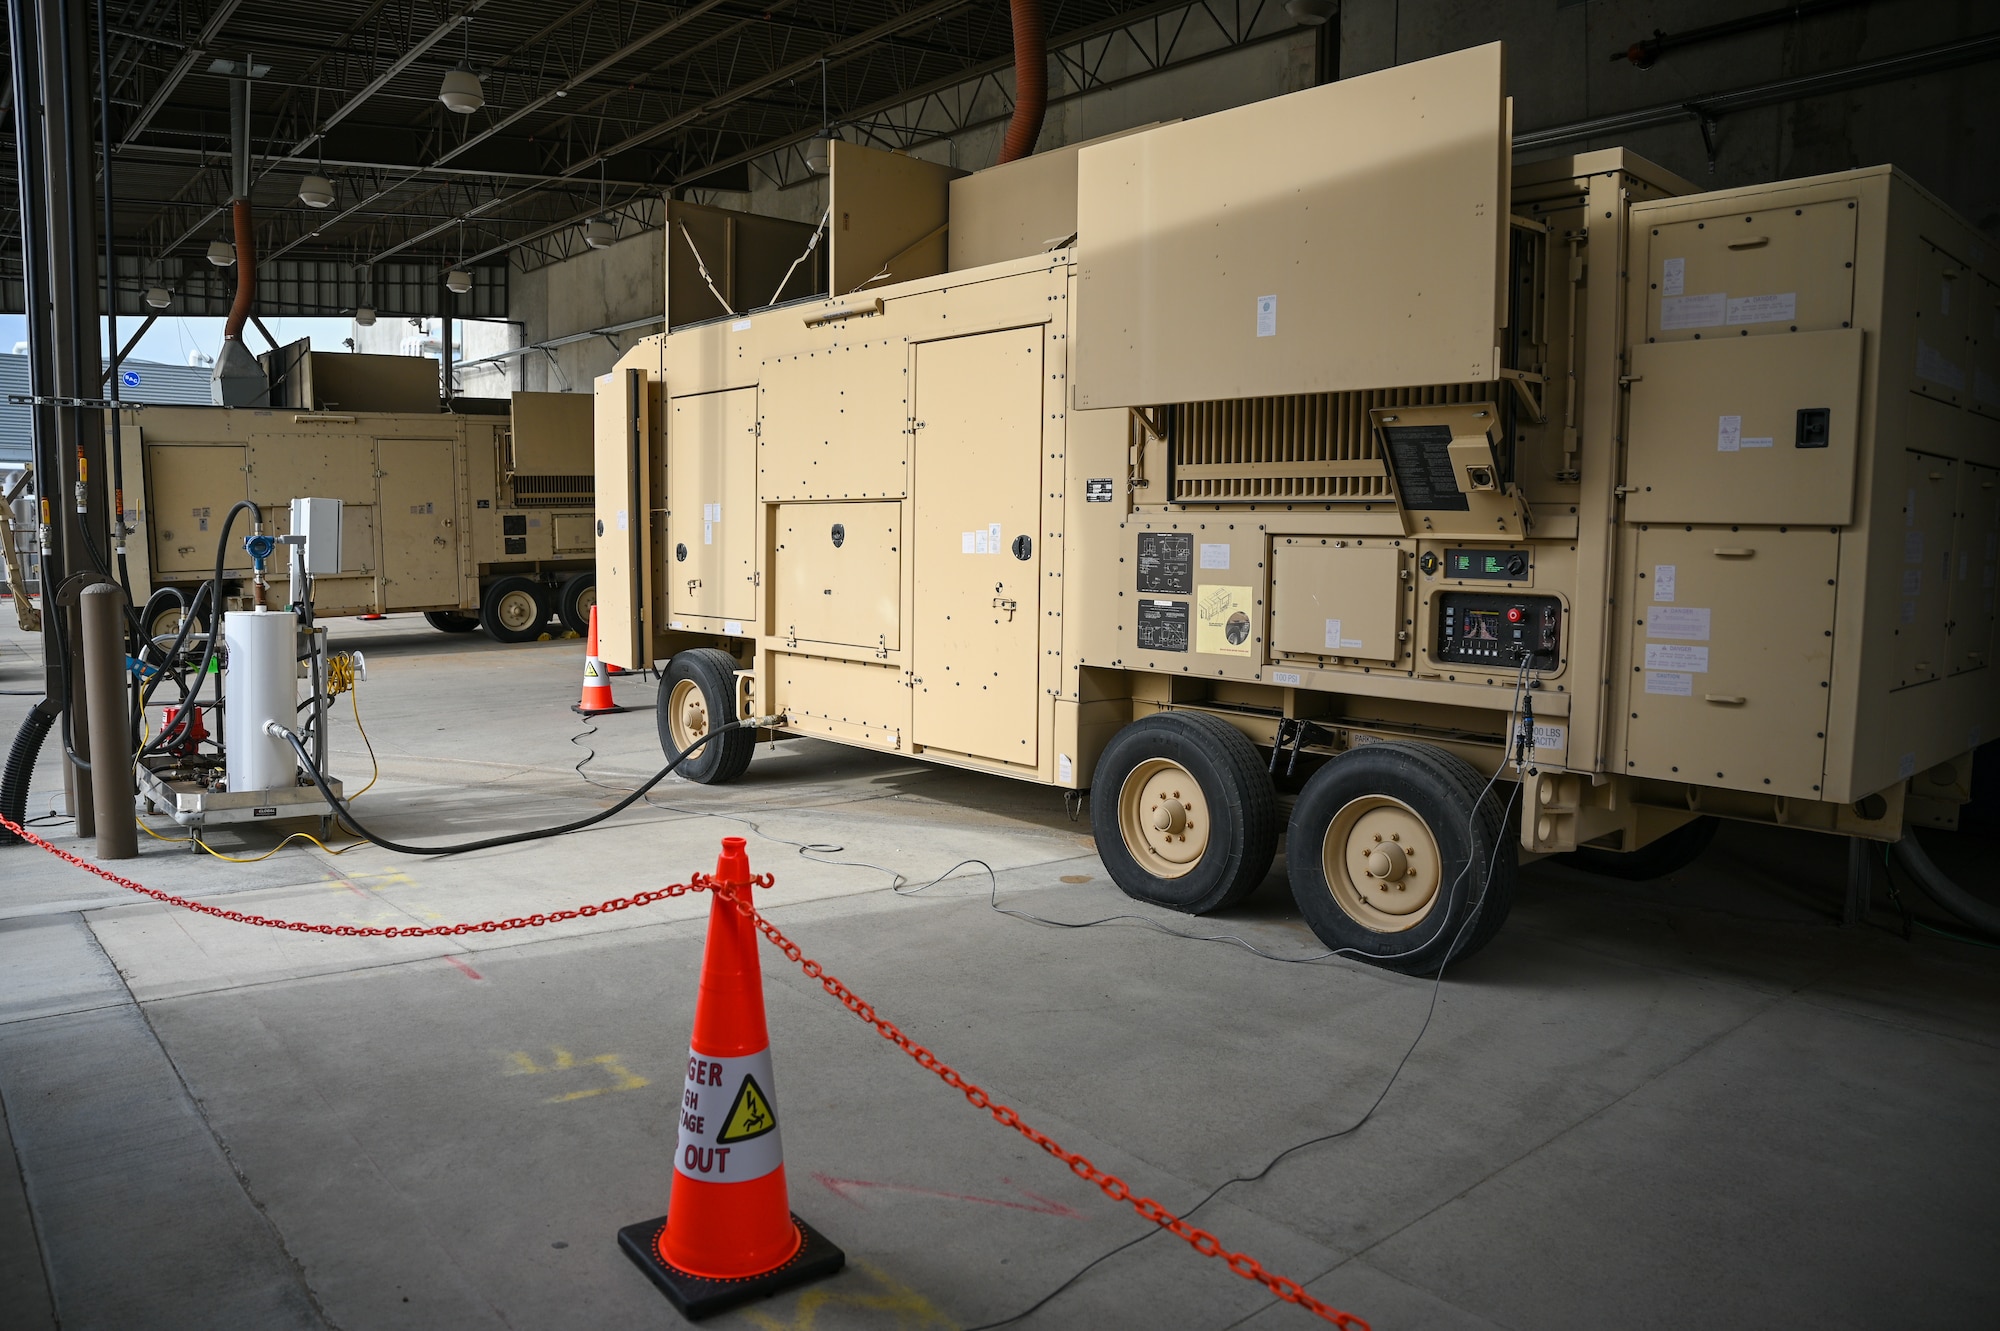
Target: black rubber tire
(1656, 859)
(713, 671)
(489, 610)
(574, 615)
(1243, 810)
(157, 606)
(1469, 823)
(451, 621)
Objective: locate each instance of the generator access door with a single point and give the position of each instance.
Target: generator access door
(419, 507)
(712, 509)
(978, 555)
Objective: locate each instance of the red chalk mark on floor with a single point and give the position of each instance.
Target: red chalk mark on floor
(841, 1188)
(467, 969)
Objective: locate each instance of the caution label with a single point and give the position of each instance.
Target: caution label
(729, 1119)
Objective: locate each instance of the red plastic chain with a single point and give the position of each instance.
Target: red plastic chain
(1203, 1242)
(360, 930)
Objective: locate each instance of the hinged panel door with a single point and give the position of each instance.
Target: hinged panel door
(1970, 611)
(622, 505)
(836, 423)
(192, 489)
(419, 508)
(978, 544)
(1770, 270)
(837, 574)
(1730, 678)
(712, 506)
(1930, 485)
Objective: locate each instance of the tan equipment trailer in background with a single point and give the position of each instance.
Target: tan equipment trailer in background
(472, 519)
(1557, 505)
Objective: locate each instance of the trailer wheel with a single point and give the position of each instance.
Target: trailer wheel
(573, 605)
(450, 621)
(514, 610)
(162, 618)
(1184, 814)
(1399, 854)
(1656, 859)
(697, 694)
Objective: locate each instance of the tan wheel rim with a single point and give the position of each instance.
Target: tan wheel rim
(1163, 817)
(687, 714)
(1382, 864)
(584, 601)
(518, 610)
(167, 622)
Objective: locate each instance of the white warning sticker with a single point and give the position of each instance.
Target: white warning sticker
(1728, 433)
(1267, 316)
(708, 533)
(729, 1119)
(1704, 311)
(1782, 307)
(965, 543)
(1673, 277)
(1214, 556)
(1685, 622)
(1670, 682)
(1663, 582)
(733, 627)
(980, 546)
(1673, 656)
(1065, 768)
(995, 542)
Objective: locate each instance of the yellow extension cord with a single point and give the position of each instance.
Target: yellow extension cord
(340, 678)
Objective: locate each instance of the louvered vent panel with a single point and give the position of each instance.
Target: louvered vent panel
(1311, 447)
(555, 491)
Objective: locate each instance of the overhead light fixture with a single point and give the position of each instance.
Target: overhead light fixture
(461, 91)
(819, 155)
(316, 191)
(365, 316)
(1311, 13)
(221, 253)
(600, 233)
(458, 281)
(158, 297)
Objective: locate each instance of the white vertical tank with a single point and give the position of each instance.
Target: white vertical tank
(261, 684)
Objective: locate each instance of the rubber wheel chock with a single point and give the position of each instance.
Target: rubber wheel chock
(699, 1296)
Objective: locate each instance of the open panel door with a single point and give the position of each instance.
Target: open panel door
(624, 560)
(1350, 236)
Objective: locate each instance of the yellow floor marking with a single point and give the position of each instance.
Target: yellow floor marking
(622, 1078)
(911, 1310)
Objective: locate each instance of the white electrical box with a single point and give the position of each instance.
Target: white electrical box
(318, 520)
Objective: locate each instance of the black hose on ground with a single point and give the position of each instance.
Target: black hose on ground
(1949, 896)
(20, 768)
(347, 818)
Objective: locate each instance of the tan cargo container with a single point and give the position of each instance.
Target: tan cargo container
(470, 519)
(1475, 510)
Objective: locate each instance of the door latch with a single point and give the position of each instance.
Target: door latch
(1006, 603)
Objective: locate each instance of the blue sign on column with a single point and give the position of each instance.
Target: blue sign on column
(128, 378)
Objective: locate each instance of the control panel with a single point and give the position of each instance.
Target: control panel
(1488, 565)
(1488, 629)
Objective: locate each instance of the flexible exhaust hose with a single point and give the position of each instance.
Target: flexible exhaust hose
(1954, 899)
(1031, 81)
(246, 272)
(20, 769)
(347, 818)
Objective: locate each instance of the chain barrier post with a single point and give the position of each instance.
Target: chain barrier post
(729, 1234)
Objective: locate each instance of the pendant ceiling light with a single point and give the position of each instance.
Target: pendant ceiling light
(600, 233)
(365, 316)
(316, 191)
(221, 253)
(158, 298)
(458, 280)
(461, 90)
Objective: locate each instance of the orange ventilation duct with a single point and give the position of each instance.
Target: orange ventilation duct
(1031, 81)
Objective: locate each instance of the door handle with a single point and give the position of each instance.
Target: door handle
(1733, 552)
(1725, 699)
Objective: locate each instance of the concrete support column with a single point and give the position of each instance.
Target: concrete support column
(107, 685)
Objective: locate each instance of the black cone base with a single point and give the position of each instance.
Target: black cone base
(698, 1296)
(581, 710)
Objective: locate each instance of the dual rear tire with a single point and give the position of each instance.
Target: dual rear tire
(1398, 854)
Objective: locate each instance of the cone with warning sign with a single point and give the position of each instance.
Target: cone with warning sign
(597, 698)
(729, 1235)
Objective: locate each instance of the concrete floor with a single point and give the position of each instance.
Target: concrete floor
(1693, 1102)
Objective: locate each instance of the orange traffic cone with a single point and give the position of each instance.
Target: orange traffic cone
(597, 698)
(729, 1235)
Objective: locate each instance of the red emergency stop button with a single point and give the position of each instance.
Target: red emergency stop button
(1513, 614)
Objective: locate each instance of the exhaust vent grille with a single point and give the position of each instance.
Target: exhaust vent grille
(555, 491)
(1316, 446)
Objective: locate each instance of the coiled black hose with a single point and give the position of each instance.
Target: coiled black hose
(20, 768)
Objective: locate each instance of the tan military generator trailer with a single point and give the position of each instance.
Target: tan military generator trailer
(1328, 451)
(472, 519)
